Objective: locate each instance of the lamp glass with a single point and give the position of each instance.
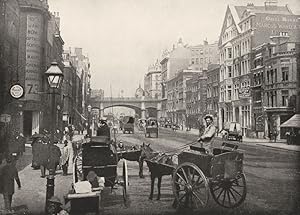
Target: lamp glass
(54, 81)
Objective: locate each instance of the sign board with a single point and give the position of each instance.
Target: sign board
(16, 91)
(5, 118)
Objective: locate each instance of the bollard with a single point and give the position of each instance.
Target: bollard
(50, 189)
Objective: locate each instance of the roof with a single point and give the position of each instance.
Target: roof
(293, 122)
(283, 10)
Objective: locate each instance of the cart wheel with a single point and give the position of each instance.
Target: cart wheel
(229, 193)
(125, 184)
(190, 187)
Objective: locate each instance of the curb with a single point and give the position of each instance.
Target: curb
(279, 148)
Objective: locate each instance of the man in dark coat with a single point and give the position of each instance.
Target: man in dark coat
(9, 175)
(54, 158)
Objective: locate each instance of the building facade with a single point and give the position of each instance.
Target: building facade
(212, 88)
(152, 81)
(77, 89)
(203, 55)
(244, 28)
(176, 96)
(10, 108)
(280, 83)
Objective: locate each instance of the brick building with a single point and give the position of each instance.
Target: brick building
(212, 98)
(244, 28)
(203, 55)
(176, 95)
(280, 83)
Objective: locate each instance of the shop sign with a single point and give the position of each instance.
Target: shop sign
(5, 118)
(16, 91)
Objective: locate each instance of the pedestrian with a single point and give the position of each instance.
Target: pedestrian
(66, 151)
(42, 150)
(206, 139)
(9, 176)
(275, 134)
(21, 140)
(54, 158)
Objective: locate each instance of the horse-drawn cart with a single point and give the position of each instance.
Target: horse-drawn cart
(198, 175)
(151, 127)
(98, 155)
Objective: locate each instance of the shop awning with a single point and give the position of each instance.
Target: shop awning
(293, 122)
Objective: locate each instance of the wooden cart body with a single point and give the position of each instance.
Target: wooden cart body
(220, 174)
(100, 156)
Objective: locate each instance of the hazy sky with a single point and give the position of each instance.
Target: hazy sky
(122, 37)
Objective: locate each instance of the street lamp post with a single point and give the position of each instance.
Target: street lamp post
(89, 131)
(54, 77)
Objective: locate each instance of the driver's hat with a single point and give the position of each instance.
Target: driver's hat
(209, 116)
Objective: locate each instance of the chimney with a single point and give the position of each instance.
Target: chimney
(250, 5)
(271, 4)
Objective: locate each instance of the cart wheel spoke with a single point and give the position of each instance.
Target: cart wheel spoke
(232, 195)
(233, 192)
(179, 183)
(197, 197)
(236, 191)
(181, 177)
(184, 174)
(181, 198)
(189, 177)
(224, 196)
(200, 185)
(228, 195)
(220, 193)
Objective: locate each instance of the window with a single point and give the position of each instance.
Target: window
(229, 71)
(285, 97)
(229, 53)
(285, 73)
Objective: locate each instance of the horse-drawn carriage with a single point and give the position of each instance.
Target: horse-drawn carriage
(100, 155)
(198, 174)
(151, 127)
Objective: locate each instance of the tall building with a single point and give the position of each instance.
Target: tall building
(10, 110)
(196, 100)
(203, 55)
(177, 94)
(244, 28)
(212, 88)
(280, 83)
(81, 82)
(152, 81)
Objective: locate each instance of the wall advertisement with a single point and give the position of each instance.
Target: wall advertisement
(33, 57)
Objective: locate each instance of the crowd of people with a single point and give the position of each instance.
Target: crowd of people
(46, 155)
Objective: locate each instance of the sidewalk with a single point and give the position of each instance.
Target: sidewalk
(280, 144)
(32, 196)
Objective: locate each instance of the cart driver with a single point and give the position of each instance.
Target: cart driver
(206, 139)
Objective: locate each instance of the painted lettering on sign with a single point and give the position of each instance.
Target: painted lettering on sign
(33, 56)
(278, 22)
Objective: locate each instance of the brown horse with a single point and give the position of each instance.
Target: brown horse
(159, 164)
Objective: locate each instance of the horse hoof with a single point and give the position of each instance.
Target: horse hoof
(141, 176)
(158, 198)
(150, 198)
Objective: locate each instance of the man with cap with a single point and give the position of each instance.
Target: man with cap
(206, 139)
